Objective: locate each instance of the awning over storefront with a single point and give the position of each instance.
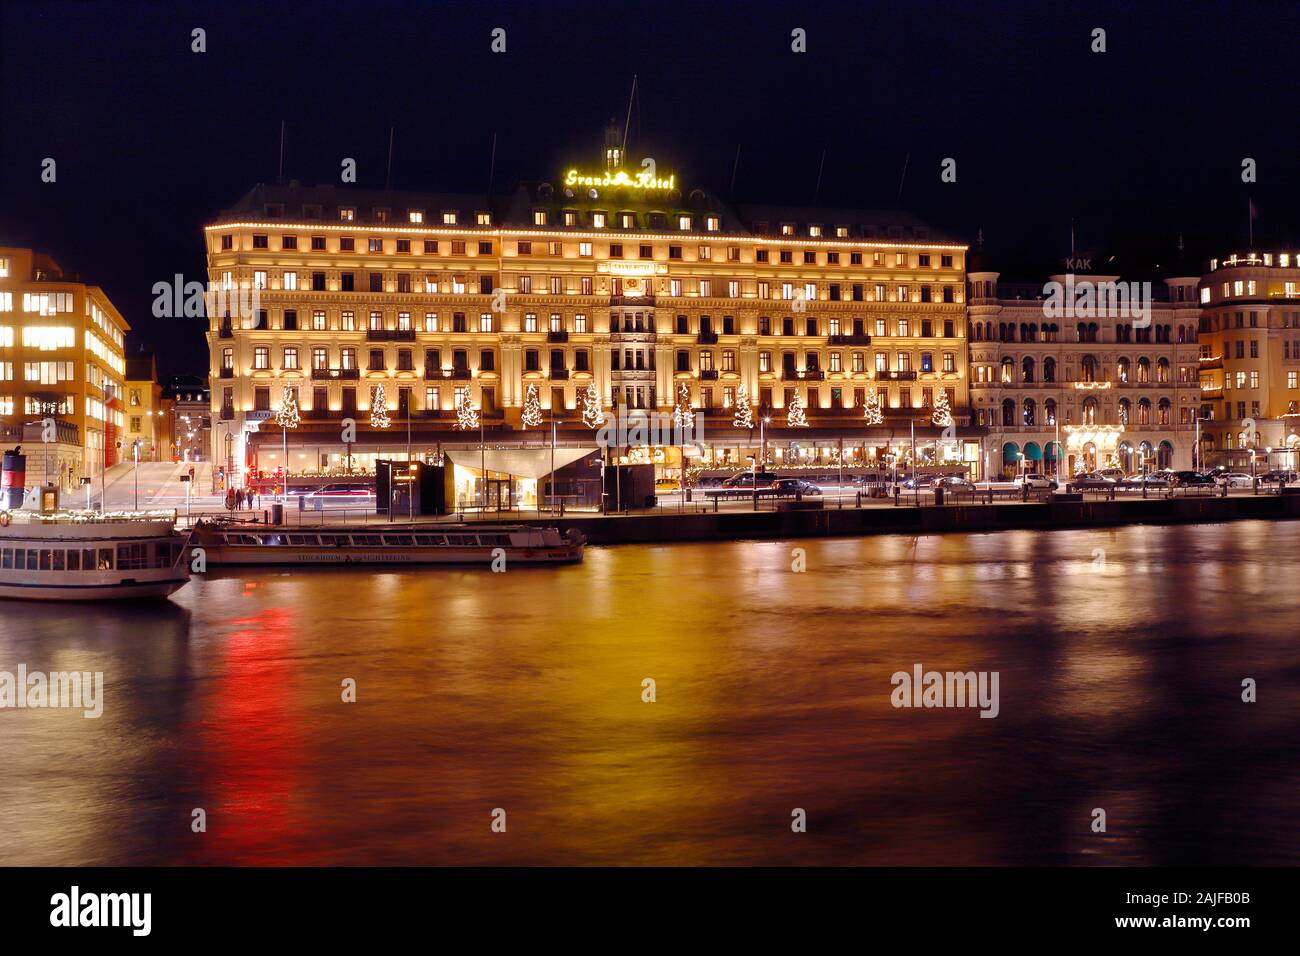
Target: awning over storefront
(1033, 452)
(1010, 452)
(521, 462)
(1052, 451)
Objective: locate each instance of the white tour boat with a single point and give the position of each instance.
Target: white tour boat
(60, 555)
(225, 544)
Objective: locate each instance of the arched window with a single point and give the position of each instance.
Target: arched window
(1049, 369)
(1049, 412)
(1143, 370)
(1162, 412)
(1008, 413)
(1125, 411)
(1089, 410)
(1008, 370)
(1122, 368)
(1162, 371)
(1027, 369)
(1089, 369)
(1030, 409)
(1144, 411)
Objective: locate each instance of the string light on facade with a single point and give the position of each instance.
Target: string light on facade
(287, 415)
(872, 413)
(942, 414)
(466, 416)
(682, 416)
(795, 416)
(532, 414)
(744, 413)
(378, 408)
(592, 416)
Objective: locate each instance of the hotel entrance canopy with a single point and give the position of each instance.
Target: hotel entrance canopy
(521, 462)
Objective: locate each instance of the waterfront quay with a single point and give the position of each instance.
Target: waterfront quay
(837, 516)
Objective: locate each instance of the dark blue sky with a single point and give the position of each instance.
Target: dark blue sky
(1138, 145)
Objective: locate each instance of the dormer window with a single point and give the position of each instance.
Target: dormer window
(570, 217)
(841, 232)
(448, 218)
(539, 217)
(382, 215)
(712, 223)
(598, 220)
(814, 230)
(787, 229)
(483, 218)
(415, 215)
(627, 220)
(684, 222)
(347, 213)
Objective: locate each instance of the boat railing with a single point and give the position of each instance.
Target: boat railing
(20, 517)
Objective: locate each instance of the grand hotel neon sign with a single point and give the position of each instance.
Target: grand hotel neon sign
(643, 180)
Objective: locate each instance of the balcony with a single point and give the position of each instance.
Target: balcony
(390, 335)
(227, 414)
(226, 332)
(806, 375)
(557, 336)
(707, 338)
(708, 374)
(896, 376)
(646, 300)
(849, 339)
(1208, 394)
(460, 374)
(226, 373)
(1212, 363)
(344, 374)
(559, 374)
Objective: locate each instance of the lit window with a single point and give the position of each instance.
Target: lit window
(415, 215)
(449, 219)
(539, 217)
(347, 213)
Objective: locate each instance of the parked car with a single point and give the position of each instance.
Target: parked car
(1155, 480)
(918, 482)
(747, 479)
(1035, 482)
(667, 485)
(1233, 479)
(1192, 481)
(1116, 474)
(795, 486)
(1278, 475)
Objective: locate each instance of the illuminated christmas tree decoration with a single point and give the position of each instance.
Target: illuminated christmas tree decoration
(466, 416)
(532, 415)
(942, 415)
(287, 415)
(378, 408)
(592, 416)
(872, 412)
(744, 413)
(795, 416)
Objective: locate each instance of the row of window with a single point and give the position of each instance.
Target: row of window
(1125, 371)
(1027, 413)
(128, 557)
(1083, 332)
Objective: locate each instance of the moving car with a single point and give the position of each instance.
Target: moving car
(747, 479)
(1092, 479)
(955, 483)
(1114, 473)
(1278, 475)
(1035, 482)
(344, 490)
(795, 486)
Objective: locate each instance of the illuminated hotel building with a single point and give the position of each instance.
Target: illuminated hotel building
(604, 276)
(60, 358)
(1250, 360)
(1114, 394)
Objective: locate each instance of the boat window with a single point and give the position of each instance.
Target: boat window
(131, 557)
(6, 558)
(327, 540)
(87, 559)
(366, 540)
(301, 539)
(494, 540)
(45, 559)
(74, 560)
(430, 540)
(458, 540)
(106, 559)
(58, 560)
(399, 540)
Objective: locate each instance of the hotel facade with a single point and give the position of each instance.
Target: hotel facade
(1095, 388)
(61, 358)
(607, 279)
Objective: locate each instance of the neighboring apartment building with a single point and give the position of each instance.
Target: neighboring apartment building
(606, 278)
(61, 358)
(147, 411)
(1114, 389)
(1250, 360)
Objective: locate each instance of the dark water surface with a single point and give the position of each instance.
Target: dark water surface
(1119, 688)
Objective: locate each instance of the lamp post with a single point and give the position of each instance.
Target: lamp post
(135, 451)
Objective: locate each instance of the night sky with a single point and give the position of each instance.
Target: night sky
(1138, 145)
